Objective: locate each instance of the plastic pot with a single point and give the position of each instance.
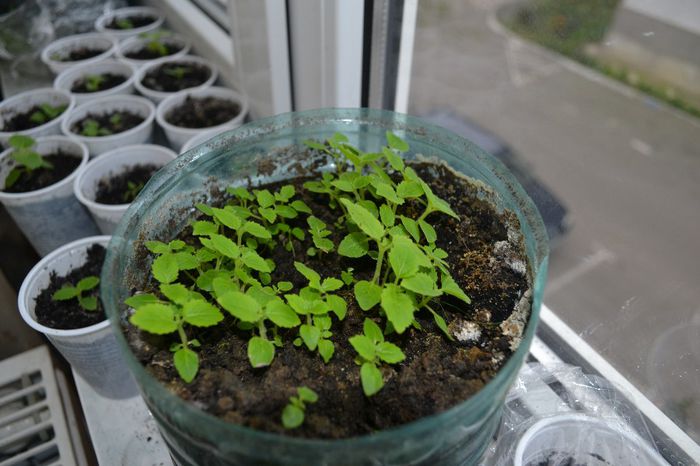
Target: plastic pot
(136, 43)
(121, 34)
(100, 144)
(159, 96)
(178, 135)
(458, 436)
(585, 440)
(67, 78)
(92, 351)
(26, 100)
(51, 216)
(112, 163)
(201, 138)
(67, 44)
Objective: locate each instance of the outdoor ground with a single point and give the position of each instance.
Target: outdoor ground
(628, 167)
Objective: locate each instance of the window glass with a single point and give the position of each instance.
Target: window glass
(596, 105)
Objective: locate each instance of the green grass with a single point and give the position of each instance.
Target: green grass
(566, 26)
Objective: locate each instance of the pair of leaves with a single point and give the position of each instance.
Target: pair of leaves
(373, 349)
(68, 291)
(294, 412)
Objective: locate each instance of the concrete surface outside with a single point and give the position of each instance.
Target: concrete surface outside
(626, 276)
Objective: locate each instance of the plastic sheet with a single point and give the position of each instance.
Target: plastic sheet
(563, 417)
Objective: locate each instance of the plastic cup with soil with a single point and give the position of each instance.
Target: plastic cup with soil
(163, 78)
(127, 22)
(36, 188)
(110, 182)
(145, 48)
(344, 336)
(79, 49)
(187, 113)
(60, 298)
(108, 77)
(34, 113)
(110, 122)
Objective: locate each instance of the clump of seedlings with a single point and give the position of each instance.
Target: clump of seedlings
(106, 124)
(123, 188)
(32, 170)
(72, 300)
(202, 112)
(97, 83)
(225, 273)
(157, 45)
(35, 116)
(173, 77)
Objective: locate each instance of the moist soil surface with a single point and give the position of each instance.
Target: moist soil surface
(68, 314)
(109, 80)
(164, 78)
(82, 53)
(116, 190)
(202, 112)
(63, 165)
(437, 373)
(144, 53)
(137, 21)
(21, 121)
(126, 121)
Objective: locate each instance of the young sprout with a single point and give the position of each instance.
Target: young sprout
(132, 190)
(93, 82)
(46, 112)
(92, 128)
(68, 291)
(155, 44)
(293, 414)
(372, 350)
(25, 157)
(124, 23)
(177, 72)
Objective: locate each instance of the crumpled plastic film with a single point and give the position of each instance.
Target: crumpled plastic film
(562, 417)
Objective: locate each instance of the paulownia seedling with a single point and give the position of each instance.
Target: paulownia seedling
(93, 82)
(293, 414)
(68, 291)
(46, 112)
(372, 350)
(25, 157)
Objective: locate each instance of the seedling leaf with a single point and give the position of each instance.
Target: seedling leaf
(241, 306)
(389, 352)
(364, 220)
(326, 349)
(398, 307)
(367, 294)
(165, 268)
(364, 346)
(310, 336)
(201, 313)
(261, 352)
(186, 363)
(371, 379)
(292, 416)
(372, 331)
(155, 318)
(281, 314)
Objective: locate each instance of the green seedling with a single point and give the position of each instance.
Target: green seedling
(68, 291)
(91, 128)
(155, 43)
(372, 350)
(132, 190)
(293, 414)
(93, 82)
(124, 23)
(25, 157)
(46, 113)
(177, 72)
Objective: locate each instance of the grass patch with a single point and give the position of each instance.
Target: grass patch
(567, 26)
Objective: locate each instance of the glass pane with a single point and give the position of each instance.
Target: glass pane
(596, 105)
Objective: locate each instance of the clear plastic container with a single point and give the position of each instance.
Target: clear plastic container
(457, 436)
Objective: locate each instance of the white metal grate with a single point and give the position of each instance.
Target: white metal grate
(33, 429)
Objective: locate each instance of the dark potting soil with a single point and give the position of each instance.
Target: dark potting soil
(146, 53)
(124, 187)
(109, 80)
(436, 374)
(63, 165)
(68, 314)
(202, 112)
(23, 120)
(130, 22)
(173, 77)
(108, 122)
(82, 53)
(562, 459)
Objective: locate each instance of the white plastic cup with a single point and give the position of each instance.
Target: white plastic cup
(67, 78)
(585, 439)
(111, 163)
(51, 216)
(121, 34)
(100, 144)
(177, 135)
(92, 351)
(75, 42)
(159, 96)
(22, 102)
(136, 43)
